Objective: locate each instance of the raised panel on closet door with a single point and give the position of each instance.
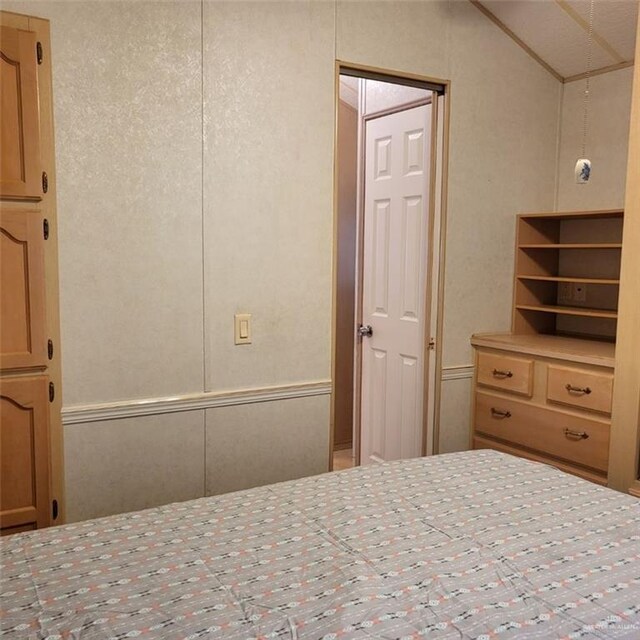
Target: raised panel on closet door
(20, 167)
(24, 452)
(22, 289)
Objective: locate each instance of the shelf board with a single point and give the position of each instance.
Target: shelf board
(569, 215)
(576, 245)
(565, 279)
(570, 311)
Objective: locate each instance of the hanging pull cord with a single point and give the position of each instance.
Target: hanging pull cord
(585, 105)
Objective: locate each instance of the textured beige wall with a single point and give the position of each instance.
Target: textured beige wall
(136, 215)
(607, 142)
(127, 108)
(268, 190)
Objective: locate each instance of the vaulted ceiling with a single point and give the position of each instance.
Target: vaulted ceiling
(556, 32)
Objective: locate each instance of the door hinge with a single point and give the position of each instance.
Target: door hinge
(39, 52)
(52, 392)
(54, 509)
(50, 349)
(45, 182)
(45, 229)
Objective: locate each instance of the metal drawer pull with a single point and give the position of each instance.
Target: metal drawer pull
(582, 390)
(580, 435)
(497, 413)
(502, 374)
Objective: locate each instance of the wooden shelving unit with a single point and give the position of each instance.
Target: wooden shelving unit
(567, 273)
(531, 382)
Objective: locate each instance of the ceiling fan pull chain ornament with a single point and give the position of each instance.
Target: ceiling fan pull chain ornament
(583, 165)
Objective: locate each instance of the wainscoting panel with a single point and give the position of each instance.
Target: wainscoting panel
(133, 463)
(250, 445)
(455, 408)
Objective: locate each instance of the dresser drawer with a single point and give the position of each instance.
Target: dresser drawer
(488, 443)
(559, 434)
(505, 373)
(579, 388)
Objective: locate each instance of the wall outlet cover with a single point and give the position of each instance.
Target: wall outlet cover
(579, 292)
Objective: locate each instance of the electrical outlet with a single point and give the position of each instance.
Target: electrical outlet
(579, 293)
(565, 292)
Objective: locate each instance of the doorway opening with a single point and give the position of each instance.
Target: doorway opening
(390, 156)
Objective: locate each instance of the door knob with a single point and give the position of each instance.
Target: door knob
(365, 330)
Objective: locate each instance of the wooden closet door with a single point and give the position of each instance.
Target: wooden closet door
(24, 453)
(22, 289)
(20, 170)
(31, 450)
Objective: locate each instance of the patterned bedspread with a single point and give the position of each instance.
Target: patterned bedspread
(468, 545)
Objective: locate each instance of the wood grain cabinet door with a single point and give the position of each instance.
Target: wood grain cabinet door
(24, 453)
(20, 170)
(22, 290)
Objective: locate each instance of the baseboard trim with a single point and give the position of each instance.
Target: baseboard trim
(460, 372)
(81, 414)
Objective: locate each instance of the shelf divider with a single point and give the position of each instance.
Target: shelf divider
(569, 311)
(569, 279)
(572, 245)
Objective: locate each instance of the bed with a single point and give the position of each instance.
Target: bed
(477, 544)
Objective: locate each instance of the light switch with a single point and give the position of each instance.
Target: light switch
(243, 328)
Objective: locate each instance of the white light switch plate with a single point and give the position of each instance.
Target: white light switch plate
(242, 328)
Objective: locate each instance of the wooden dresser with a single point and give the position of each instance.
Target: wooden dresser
(545, 390)
(546, 398)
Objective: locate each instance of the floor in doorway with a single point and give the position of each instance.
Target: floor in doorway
(343, 459)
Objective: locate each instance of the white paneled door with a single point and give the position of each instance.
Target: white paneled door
(395, 257)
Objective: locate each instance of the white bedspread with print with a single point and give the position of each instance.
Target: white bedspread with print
(468, 545)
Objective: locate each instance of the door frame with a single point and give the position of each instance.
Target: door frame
(436, 258)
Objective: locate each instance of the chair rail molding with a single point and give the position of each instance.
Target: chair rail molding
(80, 414)
(458, 372)
(99, 412)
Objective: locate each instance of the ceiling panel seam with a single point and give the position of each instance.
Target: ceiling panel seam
(478, 5)
(597, 38)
